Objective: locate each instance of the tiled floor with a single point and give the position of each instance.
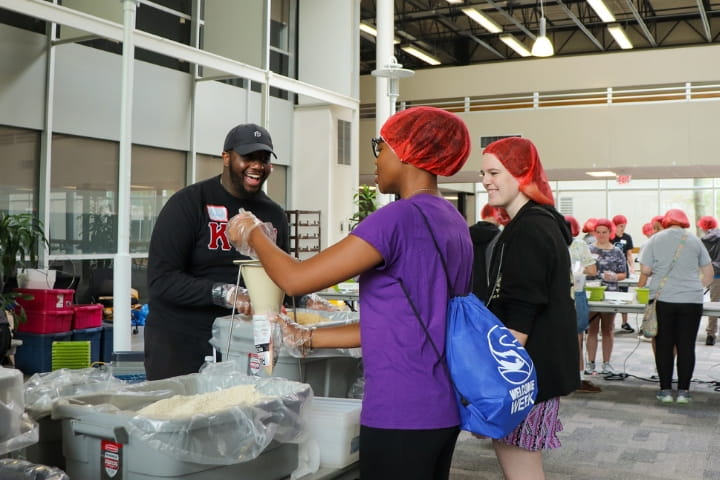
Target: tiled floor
(622, 432)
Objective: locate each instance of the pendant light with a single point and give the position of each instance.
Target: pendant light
(542, 46)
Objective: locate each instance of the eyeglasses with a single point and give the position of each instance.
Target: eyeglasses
(375, 142)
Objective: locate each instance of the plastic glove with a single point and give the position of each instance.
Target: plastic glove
(316, 302)
(239, 228)
(228, 295)
(609, 276)
(296, 338)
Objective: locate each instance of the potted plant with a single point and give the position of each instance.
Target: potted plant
(21, 236)
(366, 202)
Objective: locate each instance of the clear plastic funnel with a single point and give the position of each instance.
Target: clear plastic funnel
(265, 295)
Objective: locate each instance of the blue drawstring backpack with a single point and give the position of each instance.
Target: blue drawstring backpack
(493, 375)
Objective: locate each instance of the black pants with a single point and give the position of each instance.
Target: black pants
(169, 353)
(678, 325)
(5, 342)
(406, 454)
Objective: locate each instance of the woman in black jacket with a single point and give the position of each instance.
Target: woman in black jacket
(530, 282)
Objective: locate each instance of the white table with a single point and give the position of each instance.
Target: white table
(709, 308)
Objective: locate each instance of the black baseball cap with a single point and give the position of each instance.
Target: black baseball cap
(248, 138)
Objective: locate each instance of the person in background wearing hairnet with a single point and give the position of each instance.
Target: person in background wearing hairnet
(680, 267)
(409, 422)
(624, 242)
(589, 230)
(483, 234)
(583, 264)
(532, 295)
(711, 240)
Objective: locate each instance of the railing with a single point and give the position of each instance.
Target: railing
(682, 92)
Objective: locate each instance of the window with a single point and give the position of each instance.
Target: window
(20, 153)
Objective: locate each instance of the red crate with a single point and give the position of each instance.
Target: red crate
(87, 316)
(46, 322)
(46, 300)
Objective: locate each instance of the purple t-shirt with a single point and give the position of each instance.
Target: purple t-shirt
(406, 387)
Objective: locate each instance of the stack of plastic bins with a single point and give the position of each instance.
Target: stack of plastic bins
(87, 325)
(106, 347)
(49, 318)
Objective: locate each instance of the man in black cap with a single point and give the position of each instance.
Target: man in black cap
(191, 275)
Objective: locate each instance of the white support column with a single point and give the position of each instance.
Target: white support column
(123, 265)
(385, 24)
(46, 143)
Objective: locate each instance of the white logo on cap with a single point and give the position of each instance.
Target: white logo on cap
(258, 134)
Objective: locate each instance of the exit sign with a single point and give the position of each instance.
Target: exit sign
(623, 179)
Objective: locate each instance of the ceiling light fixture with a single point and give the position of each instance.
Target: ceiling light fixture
(619, 35)
(424, 56)
(455, 2)
(487, 23)
(512, 42)
(602, 11)
(542, 46)
(603, 173)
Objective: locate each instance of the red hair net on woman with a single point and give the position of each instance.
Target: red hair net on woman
(574, 225)
(657, 219)
(619, 220)
(675, 216)
(428, 138)
(707, 223)
(521, 159)
(647, 229)
(589, 225)
(604, 222)
(488, 211)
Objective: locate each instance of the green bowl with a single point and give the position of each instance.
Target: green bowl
(596, 294)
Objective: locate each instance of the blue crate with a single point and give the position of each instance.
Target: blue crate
(35, 354)
(106, 348)
(94, 335)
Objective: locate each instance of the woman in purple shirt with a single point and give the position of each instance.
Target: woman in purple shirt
(409, 420)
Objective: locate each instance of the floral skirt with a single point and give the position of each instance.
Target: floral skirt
(539, 429)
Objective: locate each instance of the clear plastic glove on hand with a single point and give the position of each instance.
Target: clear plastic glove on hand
(296, 338)
(609, 276)
(316, 302)
(239, 228)
(228, 295)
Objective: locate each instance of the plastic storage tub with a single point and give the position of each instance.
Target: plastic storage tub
(87, 316)
(106, 346)
(94, 336)
(100, 438)
(335, 425)
(35, 354)
(46, 300)
(46, 321)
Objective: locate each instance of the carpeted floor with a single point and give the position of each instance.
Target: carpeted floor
(622, 432)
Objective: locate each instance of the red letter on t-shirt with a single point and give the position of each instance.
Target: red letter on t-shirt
(217, 236)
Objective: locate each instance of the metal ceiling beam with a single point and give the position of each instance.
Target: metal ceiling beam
(511, 19)
(641, 23)
(580, 25)
(706, 24)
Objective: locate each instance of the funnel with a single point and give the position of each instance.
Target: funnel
(265, 295)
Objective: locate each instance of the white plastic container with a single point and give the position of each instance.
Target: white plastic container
(335, 425)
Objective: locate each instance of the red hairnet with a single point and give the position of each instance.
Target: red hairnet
(707, 223)
(521, 159)
(487, 211)
(428, 138)
(604, 222)
(619, 220)
(647, 229)
(657, 219)
(589, 225)
(675, 216)
(574, 225)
